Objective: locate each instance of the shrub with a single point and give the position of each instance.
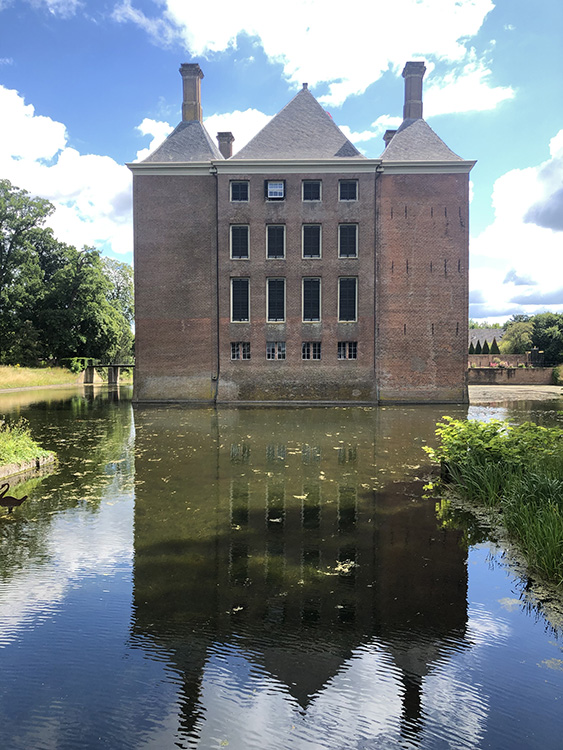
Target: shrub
(557, 375)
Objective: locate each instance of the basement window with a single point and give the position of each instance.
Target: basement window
(311, 350)
(240, 349)
(275, 349)
(274, 190)
(347, 350)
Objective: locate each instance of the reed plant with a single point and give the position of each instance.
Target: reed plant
(16, 444)
(516, 469)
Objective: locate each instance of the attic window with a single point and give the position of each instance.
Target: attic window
(311, 190)
(239, 191)
(348, 190)
(275, 190)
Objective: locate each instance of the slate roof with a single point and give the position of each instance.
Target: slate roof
(416, 141)
(485, 334)
(190, 141)
(302, 130)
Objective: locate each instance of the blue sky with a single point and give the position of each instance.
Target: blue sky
(88, 85)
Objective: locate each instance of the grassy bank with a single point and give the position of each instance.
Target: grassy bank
(28, 377)
(17, 446)
(517, 471)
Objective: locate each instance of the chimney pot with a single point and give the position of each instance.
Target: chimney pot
(225, 141)
(191, 103)
(413, 73)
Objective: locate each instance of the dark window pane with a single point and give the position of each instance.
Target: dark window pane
(239, 191)
(239, 241)
(311, 240)
(347, 299)
(240, 299)
(276, 299)
(311, 299)
(276, 237)
(348, 190)
(348, 240)
(311, 190)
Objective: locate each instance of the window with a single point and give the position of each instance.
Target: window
(276, 300)
(239, 241)
(311, 350)
(274, 190)
(311, 299)
(240, 300)
(348, 241)
(311, 190)
(275, 349)
(347, 288)
(311, 240)
(348, 190)
(275, 241)
(347, 350)
(240, 350)
(239, 191)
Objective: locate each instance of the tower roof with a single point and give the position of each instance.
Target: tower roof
(189, 141)
(302, 130)
(416, 141)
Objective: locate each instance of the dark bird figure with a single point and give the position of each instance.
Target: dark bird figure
(7, 501)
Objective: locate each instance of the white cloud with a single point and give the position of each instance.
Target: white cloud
(243, 125)
(464, 89)
(512, 248)
(158, 130)
(91, 193)
(300, 37)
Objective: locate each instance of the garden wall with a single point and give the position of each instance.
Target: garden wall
(483, 360)
(510, 376)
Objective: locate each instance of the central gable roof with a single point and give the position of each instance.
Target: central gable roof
(302, 130)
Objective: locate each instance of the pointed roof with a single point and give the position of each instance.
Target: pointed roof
(302, 130)
(416, 141)
(190, 141)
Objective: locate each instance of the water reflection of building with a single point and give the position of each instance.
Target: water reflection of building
(301, 535)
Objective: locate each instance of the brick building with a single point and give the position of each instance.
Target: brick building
(297, 269)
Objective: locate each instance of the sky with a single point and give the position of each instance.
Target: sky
(87, 86)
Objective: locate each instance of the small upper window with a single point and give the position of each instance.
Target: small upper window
(311, 190)
(348, 190)
(275, 190)
(239, 191)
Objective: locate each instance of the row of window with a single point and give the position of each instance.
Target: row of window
(310, 299)
(276, 190)
(311, 241)
(309, 350)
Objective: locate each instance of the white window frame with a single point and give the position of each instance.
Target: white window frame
(277, 349)
(303, 280)
(348, 179)
(276, 278)
(311, 257)
(276, 193)
(345, 347)
(310, 349)
(240, 278)
(238, 182)
(240, 349)
(239, 257)
(311, 200)
(274, 257)
(347, 224)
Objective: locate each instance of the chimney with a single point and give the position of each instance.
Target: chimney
(387, 136)
(191, 105)
(225, 141)
(413, 74)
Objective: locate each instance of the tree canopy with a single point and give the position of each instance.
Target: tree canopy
(543, 331)
(57, 301)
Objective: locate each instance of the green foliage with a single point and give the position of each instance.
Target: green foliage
(478, 349)
(543, 331)
(516, 469)
(494, 347)
(484, 324)
(57, 301)
(471, 348)
(557, 375)
(16, 444)
(485, 349)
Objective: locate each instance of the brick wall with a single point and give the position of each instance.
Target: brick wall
(512, 376)
(174, 219)
(422, 287)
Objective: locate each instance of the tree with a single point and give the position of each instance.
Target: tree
(478, 347)
(518, 337)
(471, 348)
(485, 348)
(494, 347)
(57, 301)
(547, 335)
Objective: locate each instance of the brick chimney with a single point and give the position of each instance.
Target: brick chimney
(225, 141)
(413, 73)
(387, 136)
(191, 104)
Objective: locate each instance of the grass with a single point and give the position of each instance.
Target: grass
(516, 470)
(28, 377)
(16, 444)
